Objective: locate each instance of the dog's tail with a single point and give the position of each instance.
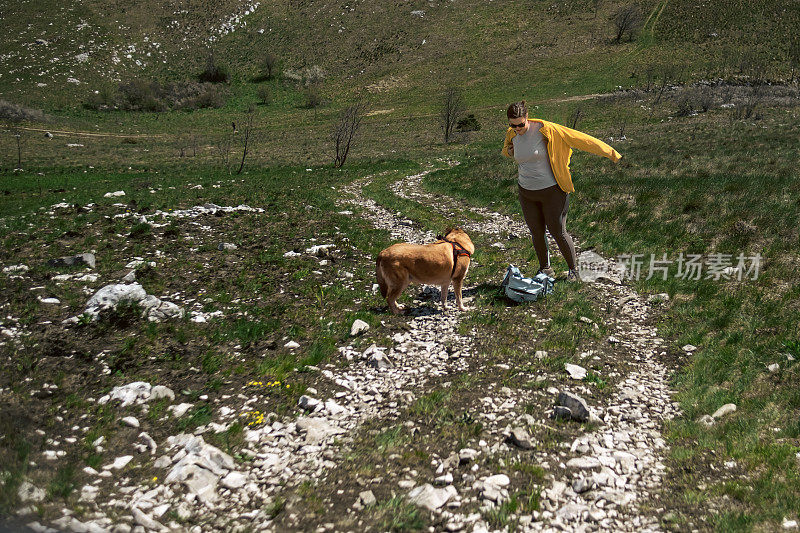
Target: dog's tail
(379, 275)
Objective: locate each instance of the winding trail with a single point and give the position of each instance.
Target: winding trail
(619, 466)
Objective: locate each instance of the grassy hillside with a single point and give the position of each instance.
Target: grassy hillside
(399, 56)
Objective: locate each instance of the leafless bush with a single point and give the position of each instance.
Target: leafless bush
(12, 112)
(627, 19)
(452, 108)
(345, 129)
(694, 100)
(248, 131)
(313, 97)
(214, 73)
(704, 98)
(793, 45)
(669, 76)
(225, 145)
(746, 108)
(141, 95)
(192, 95)
(264, 94)
(684, 106)
(187, 143)
(17, 133)
(269, 65)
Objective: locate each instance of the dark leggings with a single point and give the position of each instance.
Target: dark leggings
(547, 208)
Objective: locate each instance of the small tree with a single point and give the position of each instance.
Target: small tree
(248, 130)
(452, 108)
(313, 98)
(345, 129)
(16, 132)
(214, 73)
(264, 94)
(626, 19)
(269, 65)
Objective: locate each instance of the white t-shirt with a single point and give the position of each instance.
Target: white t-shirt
(530, 151)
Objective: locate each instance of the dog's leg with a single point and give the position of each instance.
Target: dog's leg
(394, 293)
(444, 290)
(381, 280)
(457, 284)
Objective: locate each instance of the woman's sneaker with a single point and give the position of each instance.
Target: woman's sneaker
(569, 275)
(549, 271)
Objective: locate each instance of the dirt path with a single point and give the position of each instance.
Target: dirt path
(618, 468)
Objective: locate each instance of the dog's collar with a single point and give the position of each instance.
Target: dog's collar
(458, 251)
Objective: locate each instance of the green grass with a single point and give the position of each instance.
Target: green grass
(63, 483)
(655, 204)
(391, 438)
(397, 514)
(198, 415)
(685, 185)
(15, 450)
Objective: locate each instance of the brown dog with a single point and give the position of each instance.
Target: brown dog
(439, 263)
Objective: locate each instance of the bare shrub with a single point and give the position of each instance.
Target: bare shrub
(627, 19)
(248, 131)
(313, 97)
(684, 106)
(192, 95)
(209, 98)
(345, 129)
(694, 100)
(16, 113)
(264, 94)
(704, 98)
(451, 109)
(269, 65)
(17, 134)
(140, 95)
(746, 108)
(225, 145)
(214, 73)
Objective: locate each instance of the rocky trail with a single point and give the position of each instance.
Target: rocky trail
(607, 478)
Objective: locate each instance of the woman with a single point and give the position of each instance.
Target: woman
(543, 149)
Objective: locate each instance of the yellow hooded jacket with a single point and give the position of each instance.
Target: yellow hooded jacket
(560, 142)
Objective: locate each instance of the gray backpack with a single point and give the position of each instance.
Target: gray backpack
(521, 289)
